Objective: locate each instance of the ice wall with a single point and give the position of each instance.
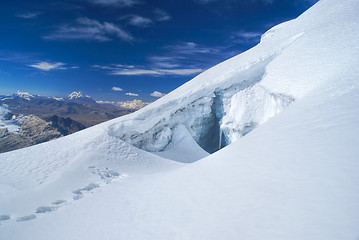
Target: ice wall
(214, 120)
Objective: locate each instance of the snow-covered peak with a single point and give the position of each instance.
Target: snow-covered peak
(74, 95)
(58, 99)
(23, 95)
(78, 97)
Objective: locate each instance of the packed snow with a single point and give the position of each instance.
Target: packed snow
(286, 110)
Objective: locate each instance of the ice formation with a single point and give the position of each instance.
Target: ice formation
(215, 114)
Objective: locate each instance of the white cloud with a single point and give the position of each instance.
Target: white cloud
(183, 59)
(188, 55)
(29, 15)
(249, 34)
(118, 89)
(112, 66)
(139, 21)
(113, 29)
(161, 15)
(133, 72)
(164, 61)
(246, 37)
(157, 94)
(132, 94)
(46, 66)
(116, 3)
(188, 71)
(89, 29)
(189, 48)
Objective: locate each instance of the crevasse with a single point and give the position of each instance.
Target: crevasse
(217, 120)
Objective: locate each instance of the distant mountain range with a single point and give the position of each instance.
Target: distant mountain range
(80, 108)
(27, 119)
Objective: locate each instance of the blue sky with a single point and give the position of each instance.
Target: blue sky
(126, 49)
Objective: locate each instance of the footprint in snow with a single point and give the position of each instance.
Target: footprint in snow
(4, 217)
(26, 218)
(90, 187)
(45, 209)
(106, 174)
(59, 202)
(39, 210)
(78, 196)
(79, 192)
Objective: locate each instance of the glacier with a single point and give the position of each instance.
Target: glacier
(261, 146)
(230, 108)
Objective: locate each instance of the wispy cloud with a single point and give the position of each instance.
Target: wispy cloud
(185, 71)
(189, 48)
(46, 66)
(17, 57)
(246, 37)
(187, 55)
(134, 71)
(89, 29)
(139, 21)
(118, 89)
(130, 70)
(112, 66)
(182, 59)
(28, 15)
(161, 15)
(116, 3)
(157, 94)
(164, 61)
(132, 94)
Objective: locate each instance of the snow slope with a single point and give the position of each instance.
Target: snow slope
(293, 177)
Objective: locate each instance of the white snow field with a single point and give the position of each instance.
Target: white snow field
(288, 111)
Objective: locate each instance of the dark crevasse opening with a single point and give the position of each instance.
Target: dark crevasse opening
(212, 138)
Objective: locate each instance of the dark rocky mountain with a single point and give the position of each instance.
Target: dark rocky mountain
(33, 130)
(64, 125)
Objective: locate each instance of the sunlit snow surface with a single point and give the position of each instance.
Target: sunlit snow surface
(295, 176)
